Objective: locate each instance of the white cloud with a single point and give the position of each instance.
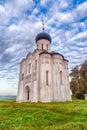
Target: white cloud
(63, 4)
(13, 27)
(15, 8)
(79, 36)
(82, 25)
(80, 11)
(65, 17)
(44, 2)
(68, 17)
(7, 88)
(18, 31)
(2, 9)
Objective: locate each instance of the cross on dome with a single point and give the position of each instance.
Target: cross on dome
(43, 27)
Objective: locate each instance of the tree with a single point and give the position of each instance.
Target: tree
(74, 79)
(83, 76)
(78, 82)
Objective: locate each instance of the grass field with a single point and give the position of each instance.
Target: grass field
(43, 116)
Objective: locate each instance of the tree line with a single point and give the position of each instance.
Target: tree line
(78, 82)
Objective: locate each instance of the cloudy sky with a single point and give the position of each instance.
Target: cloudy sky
(20, 22)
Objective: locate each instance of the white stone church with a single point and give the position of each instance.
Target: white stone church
(43, 74)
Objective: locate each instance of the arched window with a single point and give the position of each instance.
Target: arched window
(42, 46)
(35, 64)
(47, 47)
(47, 77)
(29, 68)
(61, 80)
(22, 77)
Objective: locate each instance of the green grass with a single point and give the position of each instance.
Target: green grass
(43, 116)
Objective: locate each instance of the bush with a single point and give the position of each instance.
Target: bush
(80, 95)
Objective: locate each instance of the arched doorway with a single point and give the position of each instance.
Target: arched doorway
(27, 93)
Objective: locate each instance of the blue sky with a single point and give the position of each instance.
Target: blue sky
(20, 22)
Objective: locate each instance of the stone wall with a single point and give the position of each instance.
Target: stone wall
(34, 85)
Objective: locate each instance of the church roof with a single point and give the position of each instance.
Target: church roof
(43, 35)
(52, 53)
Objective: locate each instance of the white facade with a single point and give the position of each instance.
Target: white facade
(43, 75)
